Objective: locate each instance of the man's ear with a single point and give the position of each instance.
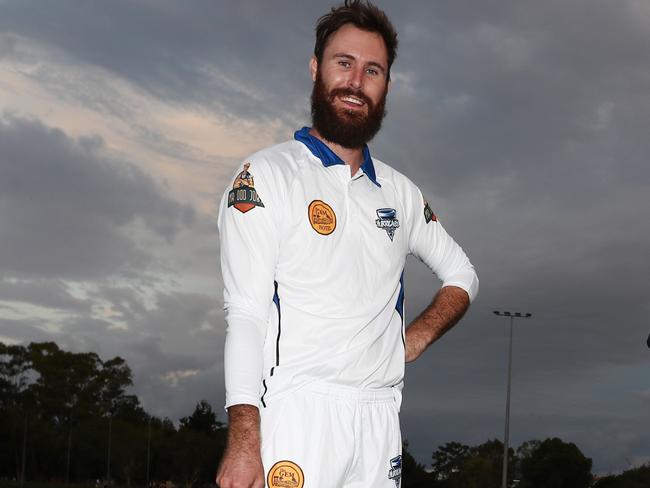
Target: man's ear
(313, 67)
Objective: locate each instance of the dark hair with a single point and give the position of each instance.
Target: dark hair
(363, 15)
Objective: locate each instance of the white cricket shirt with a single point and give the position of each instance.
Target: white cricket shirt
(312, 261)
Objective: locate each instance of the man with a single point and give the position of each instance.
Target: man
(314, 238)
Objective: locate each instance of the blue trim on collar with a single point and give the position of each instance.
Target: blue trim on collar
(329, 158)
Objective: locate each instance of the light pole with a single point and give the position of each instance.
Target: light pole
(148, 447)
(506, 437)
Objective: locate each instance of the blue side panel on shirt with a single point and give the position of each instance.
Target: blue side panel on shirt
(399, 306)
(276, 300)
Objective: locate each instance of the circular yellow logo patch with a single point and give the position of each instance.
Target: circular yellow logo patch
(321, 217)
(285, 474)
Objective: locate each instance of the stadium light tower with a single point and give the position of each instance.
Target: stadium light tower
(506, 437)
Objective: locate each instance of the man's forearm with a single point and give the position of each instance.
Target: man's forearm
(244, 427)
(446, 309)
(241, 464)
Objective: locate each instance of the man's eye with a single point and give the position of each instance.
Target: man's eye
(372, 71)
(345, 64)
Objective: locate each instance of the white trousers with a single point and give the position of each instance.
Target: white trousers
(326, 436)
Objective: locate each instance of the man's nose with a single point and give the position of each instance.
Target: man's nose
(356, 78)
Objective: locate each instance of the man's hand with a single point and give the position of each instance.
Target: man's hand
(446, 309)
(241, 465)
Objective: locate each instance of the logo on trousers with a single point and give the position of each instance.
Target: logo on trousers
(395, 472)
(285, 474)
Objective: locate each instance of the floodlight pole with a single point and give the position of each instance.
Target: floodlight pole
(148, 447)
(506, 437)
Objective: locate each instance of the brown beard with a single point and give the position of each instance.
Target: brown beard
(347, 128)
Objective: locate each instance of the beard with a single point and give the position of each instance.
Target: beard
(348, 128)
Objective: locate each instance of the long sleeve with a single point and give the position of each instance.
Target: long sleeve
(430, 243)
(248, 234)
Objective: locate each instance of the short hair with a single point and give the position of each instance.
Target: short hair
(363, 15)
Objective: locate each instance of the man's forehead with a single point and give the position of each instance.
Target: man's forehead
(359, 43)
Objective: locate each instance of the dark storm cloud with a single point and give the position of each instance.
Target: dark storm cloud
(66, 205)
(7, 46)
(24, 330)
(519, 89)
(208, 56)
(53, 294)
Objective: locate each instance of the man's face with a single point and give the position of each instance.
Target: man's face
(350, 87)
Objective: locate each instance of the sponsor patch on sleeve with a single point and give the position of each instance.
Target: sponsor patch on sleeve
(428, 213)
(243, 195)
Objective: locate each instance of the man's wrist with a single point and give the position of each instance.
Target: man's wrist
(244, 427)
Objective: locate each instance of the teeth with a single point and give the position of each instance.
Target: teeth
(356, 101)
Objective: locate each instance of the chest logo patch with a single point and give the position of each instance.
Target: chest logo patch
(321, 217)
(428, 213)
(387, 221)
(285, 474)
(243, 195)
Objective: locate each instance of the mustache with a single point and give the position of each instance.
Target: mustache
(342, 92)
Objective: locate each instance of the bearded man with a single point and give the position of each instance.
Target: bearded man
(312, 253)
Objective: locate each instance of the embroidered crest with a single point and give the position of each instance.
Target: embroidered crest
(428, 213)
(321, 217)
(285, 474)
(243, 195)
(387, 221)
(395, 471)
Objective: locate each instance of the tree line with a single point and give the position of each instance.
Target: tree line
(68, 418)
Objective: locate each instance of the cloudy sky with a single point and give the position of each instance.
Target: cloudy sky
(525, 124)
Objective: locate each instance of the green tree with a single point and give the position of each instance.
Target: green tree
(413, 473)
(448, 460)
(201, 441)
(55, 406)
(633, 478)
(556, 464)
(16, 404)
(479, 472)
(203, 419)
(523, 451)
(484, 468)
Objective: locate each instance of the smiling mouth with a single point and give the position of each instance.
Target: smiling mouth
(353, 101)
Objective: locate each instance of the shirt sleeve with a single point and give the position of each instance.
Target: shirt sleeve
(429, 242)
(248, 222)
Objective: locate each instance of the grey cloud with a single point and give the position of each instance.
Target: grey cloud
(191, 322)
(125, 300)
(202, 56)
(54, 294)
(7, 46)
(522, 90)
(67, 204)
(24, 330)
(92, 90)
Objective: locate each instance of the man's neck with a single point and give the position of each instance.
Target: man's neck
(352, 157)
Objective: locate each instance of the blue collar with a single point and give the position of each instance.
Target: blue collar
(329, 158)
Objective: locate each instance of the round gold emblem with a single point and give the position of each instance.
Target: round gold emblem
(321, 217)
(285, 474)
